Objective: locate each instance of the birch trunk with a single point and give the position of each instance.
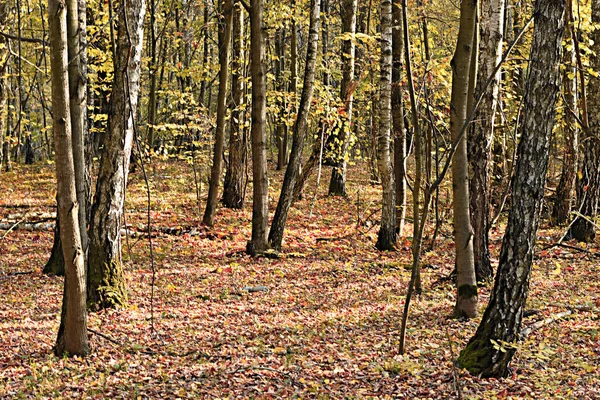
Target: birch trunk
(387, 233)
(501, 321)
(482, 131)
(106, 280)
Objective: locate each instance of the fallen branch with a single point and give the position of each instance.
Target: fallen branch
(535, 326)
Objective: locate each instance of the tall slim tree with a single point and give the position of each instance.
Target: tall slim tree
(588, 186)
(260, 189)
(217, 166)
(337, 184)
(3, 88)
(72, 334)
(299, 132)
(398, 116)
(482, 130)
(502, 318)
(466, 300)
(106, 281)
(233, 188)
(386, 239)
(565, 191)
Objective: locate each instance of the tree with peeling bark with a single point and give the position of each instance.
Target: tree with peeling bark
(217, 166)
(72, 333)
(482, 130)
(106, 280)
(260, 188)
(299, 132)
(491, 349)
(386, 239)
(466, 299)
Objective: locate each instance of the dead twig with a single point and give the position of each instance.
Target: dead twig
(455, 372)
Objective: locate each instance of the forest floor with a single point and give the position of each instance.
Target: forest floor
(327, 325)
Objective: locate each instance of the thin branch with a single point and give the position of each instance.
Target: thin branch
(24, 39)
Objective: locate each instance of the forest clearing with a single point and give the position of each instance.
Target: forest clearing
(326, 326)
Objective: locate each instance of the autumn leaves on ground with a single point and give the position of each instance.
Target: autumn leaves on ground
(319, 320)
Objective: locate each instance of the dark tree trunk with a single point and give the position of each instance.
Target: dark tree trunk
(337, 184)
(588, 187)
(398, 117)
(565, 190)
(233, 188)
(299, 133)
(501, 321)
(217, 166)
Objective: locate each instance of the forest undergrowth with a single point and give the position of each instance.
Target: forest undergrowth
(319, 320)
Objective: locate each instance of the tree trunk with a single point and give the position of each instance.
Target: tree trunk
(152, 70)
(566, 187)
(386, 239)
(76, 27)
(217, 166)
(588, 187)
(490, 351)
(106, 281)
(482, 131)
(3, 81)
(337, 185)
(466, 300)
(280, 129)
(233, 188)
(299, 133)
(260, 189)
(72, 334)
(398, 117)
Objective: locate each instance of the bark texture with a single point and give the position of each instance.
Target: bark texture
(260, 188)
(217, 166)
(501, 321)
(299, 132)
(398, 117)
(3, 81)
(233, 188)
(72, 333)
(466, 300)
(386, 239)
(106, 280)
(337, 184)
(482, 131)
